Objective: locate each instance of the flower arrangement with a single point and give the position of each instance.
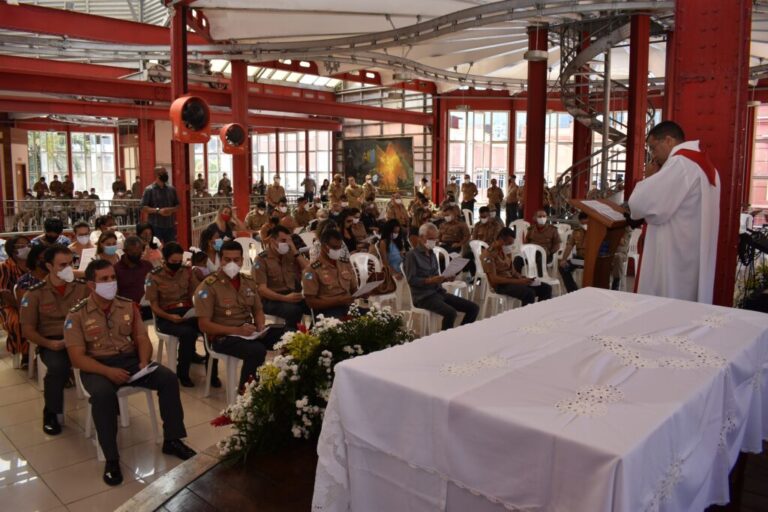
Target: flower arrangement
(288, 398)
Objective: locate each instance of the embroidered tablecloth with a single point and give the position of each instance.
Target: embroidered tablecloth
(594, 401)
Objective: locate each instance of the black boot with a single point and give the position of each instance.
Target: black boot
(113, 475)
(178, 448)
(51, 424)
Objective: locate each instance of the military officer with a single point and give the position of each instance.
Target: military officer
(330, 281)
(369, 190)
(229, 311)
(511, 199)
(495, 197)
(354, 193)
(576, 244)
(108, 343)
(454, 232)
(468, 194)
(275, 192)
(169, 289)
(336, 190)
(302, 216)
(257, 217)
(486, 229)
(396, 210)
(277, 271)
(502, 275)
(451, 189)
(544, 235)
(43, 310)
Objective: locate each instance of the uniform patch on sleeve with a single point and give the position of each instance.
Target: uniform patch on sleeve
(308, 276)
(68, 323)
(24, 302)
(203, 294)
(256, 264)
(148, 282)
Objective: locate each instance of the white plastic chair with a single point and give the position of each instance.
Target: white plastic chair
(467, 216)
(430, 322)
(308, 237)
(529, 252)
(496, 302)
(632, 251)
(362, 262)
(457, 286)
(122, 400)
(172, 342)
(230, 371)
(520, 226)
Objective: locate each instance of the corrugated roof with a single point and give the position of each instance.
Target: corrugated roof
(153, 12)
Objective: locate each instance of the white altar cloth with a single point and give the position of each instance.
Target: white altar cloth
(594, 401)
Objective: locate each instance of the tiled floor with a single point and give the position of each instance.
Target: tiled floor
(60, 473)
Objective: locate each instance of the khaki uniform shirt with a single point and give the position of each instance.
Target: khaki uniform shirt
(354, 195)
(576, 240)
(327, 278)
(512, 192)
(217, 300)
(303, 217)
(335, 191)
(497, 264)
(486, 232)
(67, 188)
(199, 184)
(455, 231)
(452, 189)
(170, 290)
(276, 271)
(358, 231)
(468, 191)
(397, 211)
(495, 196)
(548, 237)
(274, 194)
(105, 335)
(254, 220)
(55, 187)
(45, 309)
(521, 195)
(547, 196)
(369, 190)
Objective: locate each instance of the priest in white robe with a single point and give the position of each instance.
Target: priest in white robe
(681, 207)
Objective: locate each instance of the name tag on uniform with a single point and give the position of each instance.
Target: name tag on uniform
(227, 301)
(47, 308)
(249, 292)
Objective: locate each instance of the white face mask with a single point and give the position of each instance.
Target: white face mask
(83, 239)
(484, 220)
(23, 252)
(448, 218)
(344, 204)
(430, 244)
(231, 269)
(541, 220)
(261, 212)
(67, 274)
(395, 235)
(283, 248)
(283, 209)
(335, 254)
(106, 291)
(508, 249)
(355, 220)
(584, 227)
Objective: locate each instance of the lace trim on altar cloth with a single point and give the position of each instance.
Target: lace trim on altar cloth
(542, 327)
(473, 367)
(699, 357)
(666, 486)
(714, 321)
(332, 470)
(591, 401)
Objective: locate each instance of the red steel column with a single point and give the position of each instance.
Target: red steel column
(119, 173)
(751, 120)
(439, 149)
(710, 82)
(535, 134)
(69, 155)
(146, 152)
(179, 150)
(669, 71)
(277, 152)
(306, 154)
(639, 42)
(582, 138)
(511, 144)
(240, 174)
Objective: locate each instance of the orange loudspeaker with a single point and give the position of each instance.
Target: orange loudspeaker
(190, 118)
(234, 137)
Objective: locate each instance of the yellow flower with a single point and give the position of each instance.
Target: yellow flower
(268, 375)
(302, 345)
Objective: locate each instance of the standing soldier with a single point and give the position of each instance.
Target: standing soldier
(495, 197)
(511, 199)
(199, 184)
(468, 194)
(354, 193)
(67, 187)
(368, 189)
(56, 186)
(108, 343)
(41, 188)
(136, 189)
(275, 192)
(310, 187)
(225, 186)
(452, 189)
(118, 187)
(336, 190)
(43, 310)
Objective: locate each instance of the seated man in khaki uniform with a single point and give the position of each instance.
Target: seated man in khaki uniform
(302, 215)
(330, 281)
(229, 310)
(502, 276)
(108, 342)
(486, 229)
(257, 218)
(576, 244)
(542, 234)
(454, 232)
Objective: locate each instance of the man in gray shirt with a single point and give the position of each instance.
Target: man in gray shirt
(425, 281)
(310, 187)
(160, 202)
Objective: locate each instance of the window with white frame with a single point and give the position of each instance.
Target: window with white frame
(93, 162)
(47, 155)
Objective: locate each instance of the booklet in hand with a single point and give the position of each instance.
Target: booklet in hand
(152, 366)
(367, 288)
(259, 334)
(455, 266)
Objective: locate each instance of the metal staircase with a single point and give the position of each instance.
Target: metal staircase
(585, 92)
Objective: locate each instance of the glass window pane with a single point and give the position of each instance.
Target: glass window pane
(500, 126)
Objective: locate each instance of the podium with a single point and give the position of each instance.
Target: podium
(604, 233)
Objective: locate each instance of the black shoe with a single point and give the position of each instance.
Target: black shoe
(186, 381)
(112, 473)
(198, 359)
(179, 449)
(215, 382)
(51, 424)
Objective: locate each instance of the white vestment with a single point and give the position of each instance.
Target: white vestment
(682, 210)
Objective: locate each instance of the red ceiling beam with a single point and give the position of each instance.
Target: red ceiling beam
(75, 25)
(360, 76)
(46, 125)
(8, 62)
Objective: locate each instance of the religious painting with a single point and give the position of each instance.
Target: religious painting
(389, 161)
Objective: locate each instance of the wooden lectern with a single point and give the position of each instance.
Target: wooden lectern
(598, 258)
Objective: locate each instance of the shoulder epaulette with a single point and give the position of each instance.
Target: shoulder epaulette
(263, 254)
(119, 297)
(316, 264)
(156, 270)
(37, 286)
(81, 280)
(246, 276)
(78, 306)
(210, 280)
(344, 259)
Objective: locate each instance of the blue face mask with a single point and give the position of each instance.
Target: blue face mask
(110, 250)
(217, 244)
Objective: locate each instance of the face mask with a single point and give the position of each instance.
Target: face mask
(399, 201)
(430, 244)
(484, 220)
(277, 182)
(173, 267)
(584, 227)
(283, 248)
(225, 217)
(508, 249)
(541, 220)
(231, 269)
(261, 212)
(83, 240)
(448, 218)
(106, 291)
(355, 220)
(344, 204)
(67, 274)
(335, 254)
(164, 178)
(110, 250)
(217, 244)
(395, 235)
(23, 252)
(134, 258)
(283, 209)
